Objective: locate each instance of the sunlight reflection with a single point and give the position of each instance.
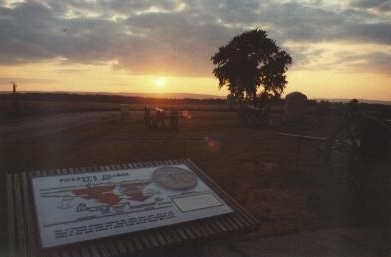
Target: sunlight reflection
(186, 114)
(212, 145)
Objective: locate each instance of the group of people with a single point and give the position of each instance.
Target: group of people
(250, 115)
(157, 119)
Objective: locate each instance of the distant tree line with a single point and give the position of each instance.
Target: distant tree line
(73, 97)
(322, 106)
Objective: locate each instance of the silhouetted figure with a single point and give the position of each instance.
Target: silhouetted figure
(251, 115)
(13, 87)
(174, 118)
(160, 117)
(147, 117)
(230, 101)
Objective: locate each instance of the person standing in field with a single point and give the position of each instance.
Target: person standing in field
(174, 118)
(147, 117)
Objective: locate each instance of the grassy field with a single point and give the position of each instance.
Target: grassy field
(257, 167)
(31, 108)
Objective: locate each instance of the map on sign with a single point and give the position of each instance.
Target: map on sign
(78, 207)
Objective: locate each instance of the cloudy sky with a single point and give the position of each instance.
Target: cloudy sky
(340, 49)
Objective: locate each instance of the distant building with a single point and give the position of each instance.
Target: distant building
(295, 106)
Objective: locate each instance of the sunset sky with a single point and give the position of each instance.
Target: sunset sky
(340, 49)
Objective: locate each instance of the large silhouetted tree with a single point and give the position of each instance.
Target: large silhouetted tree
(249, 61)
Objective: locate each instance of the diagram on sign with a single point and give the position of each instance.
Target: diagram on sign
(104, 194)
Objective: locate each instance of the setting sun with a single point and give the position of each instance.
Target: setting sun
(160, 82)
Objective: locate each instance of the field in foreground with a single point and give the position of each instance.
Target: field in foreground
(256, 166)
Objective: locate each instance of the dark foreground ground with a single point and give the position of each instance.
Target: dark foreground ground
(265, 172)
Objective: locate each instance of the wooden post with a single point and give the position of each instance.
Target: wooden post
(15, 110)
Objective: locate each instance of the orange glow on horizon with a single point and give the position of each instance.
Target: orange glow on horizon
(331, 84)
(51, 76)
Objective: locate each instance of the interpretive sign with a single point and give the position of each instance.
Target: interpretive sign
(77, 207)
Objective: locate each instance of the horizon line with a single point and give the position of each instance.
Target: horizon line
(180, 93)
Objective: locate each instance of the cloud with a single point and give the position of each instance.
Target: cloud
(295, 22)
(31, 32)
(379, 5)
(376, 62)
(161, 42)
(367, 33)
(104, 8)
(172, 42)
(305, 56)
(232, 11)
(175, 36)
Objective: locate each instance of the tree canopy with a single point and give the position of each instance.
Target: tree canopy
(249, 61)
